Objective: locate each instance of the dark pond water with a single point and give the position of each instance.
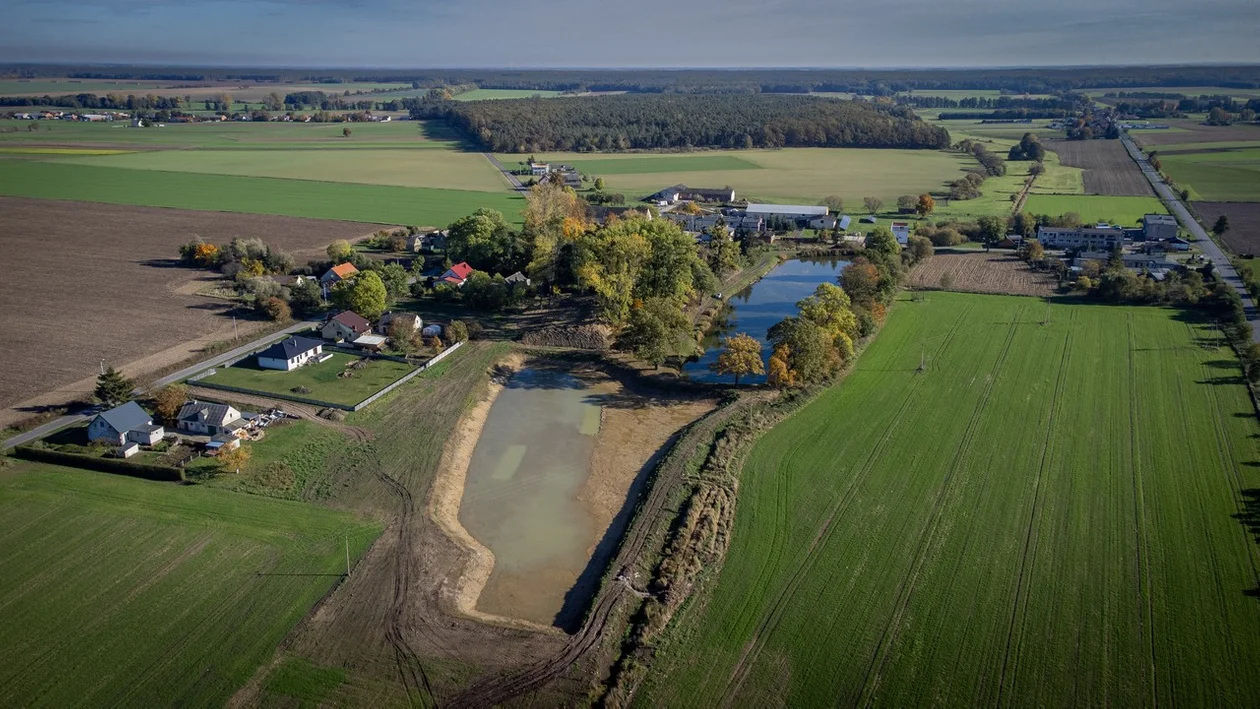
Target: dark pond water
(756, 309)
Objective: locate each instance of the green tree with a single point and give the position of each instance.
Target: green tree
(741, 355)
(1221, 226)
(834, 203)
(395, 278)
(366, 294)
(861, 281)
(724, 253)
(608, 261)
(672, 262)
(813, 355)
(485, 292)
(882, 240)
(653, 331)
(907, 203)
(339, 251)
(483, 239)
(456, 331)
(168, 400)
(920, 249)
(112, 388)
(872, 204)
(991, 229)
(830, 308)
(276, 309)
(305, 296)
(599, 184)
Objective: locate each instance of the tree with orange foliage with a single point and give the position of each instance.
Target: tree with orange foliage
(206, 255)
(780, 375)
(925, 205)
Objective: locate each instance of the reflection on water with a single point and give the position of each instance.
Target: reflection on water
(757, 308)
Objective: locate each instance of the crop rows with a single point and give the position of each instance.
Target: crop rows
(1049, 523)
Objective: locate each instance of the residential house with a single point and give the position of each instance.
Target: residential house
(290, 353)
(206, 419)
(823, 223)
(290, 281)
(1158, 227)
(337, 273)
(901, 232)
(346, 325)
(1176, 243)
(538, 169)
(125, 424)
(678, 193)
(387, 320)
(517, 278)
(457, 274)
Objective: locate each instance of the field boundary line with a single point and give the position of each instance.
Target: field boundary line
(775, 612)
(1145, 598)
(1030, 539)
(927, 533)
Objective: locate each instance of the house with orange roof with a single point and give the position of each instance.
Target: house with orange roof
(337, 273)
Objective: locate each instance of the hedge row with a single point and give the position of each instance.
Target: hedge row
(119, 466)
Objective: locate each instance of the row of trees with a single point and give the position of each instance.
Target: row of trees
(639, 121)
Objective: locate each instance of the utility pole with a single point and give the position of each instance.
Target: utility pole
(236, 335)
(102, 367)
(347, 555)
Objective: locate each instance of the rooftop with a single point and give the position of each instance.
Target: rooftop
(127, 417)
(288, 348)
(813, 210)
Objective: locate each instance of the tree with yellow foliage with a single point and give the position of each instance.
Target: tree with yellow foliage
(741, 355)
(232, 461)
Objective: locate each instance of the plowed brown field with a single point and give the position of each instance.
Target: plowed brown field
(981, 272)
(1108, 168)
(1243, 236)
(90, 282)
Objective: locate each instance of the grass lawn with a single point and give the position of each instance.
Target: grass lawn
(1126, 211)
(1232, 175)
(256, 195)
(321, 378)
(1049, 515)
(804, 175)
(121, 592)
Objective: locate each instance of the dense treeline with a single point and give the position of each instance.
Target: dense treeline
(1013, 114)
(1182, 105)
(1067, 102)
(868, 82)
(719, 121)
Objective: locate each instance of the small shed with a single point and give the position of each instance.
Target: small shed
(432, 331)
(128, 450)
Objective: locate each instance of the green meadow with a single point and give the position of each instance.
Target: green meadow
(1058, 511)
(1125, 211)
(1229, 174)
(122, 592)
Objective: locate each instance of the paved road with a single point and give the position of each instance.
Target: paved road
(1221, 262)
(516, 183)
(85, 414)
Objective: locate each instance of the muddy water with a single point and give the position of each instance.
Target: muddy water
(520, 496)
(756, 309)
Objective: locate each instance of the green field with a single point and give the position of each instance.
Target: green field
(803, 175)
(1047, 516)
(230, 135)
(1125, 211)
(321, 378)
(120, 592)
(486, 94)
(255, 195)
(1230, 175)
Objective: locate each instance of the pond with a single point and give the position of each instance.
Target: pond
(757, 308)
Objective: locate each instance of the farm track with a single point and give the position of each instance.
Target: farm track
(1028, 560)
(773, 616)
(501, 689)
(928, 533)
(1145, 597)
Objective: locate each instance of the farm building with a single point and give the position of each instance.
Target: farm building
(457, 274)
(290, 353)
(517, 278)
(337, 273)
(800, 212)
(538, 169)
(206, 419)
(823, 222)
(387, 320)
(679, 193)
(1158, 227)
(370, 342)
(123, 424)
(844, 222)
(901, 231)
(223, 442)
(346, 325)
(1088, 238)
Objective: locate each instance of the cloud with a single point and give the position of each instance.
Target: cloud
(647, 33)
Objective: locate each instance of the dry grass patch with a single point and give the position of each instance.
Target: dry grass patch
(981, 272)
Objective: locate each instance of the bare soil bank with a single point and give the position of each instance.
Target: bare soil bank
(634, 427)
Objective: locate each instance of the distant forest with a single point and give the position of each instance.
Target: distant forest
(867, 82)
(638, 121)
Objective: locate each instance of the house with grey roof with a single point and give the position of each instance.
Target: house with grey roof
(125, 424)
(205, 419)
(290, 353)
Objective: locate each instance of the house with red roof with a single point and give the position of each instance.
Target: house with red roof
(346, 325)
(457, 274)
(337, 273)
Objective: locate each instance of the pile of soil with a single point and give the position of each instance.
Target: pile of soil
(582, 337)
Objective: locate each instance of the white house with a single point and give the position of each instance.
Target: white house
(901, 232)
(413, 321)
(539, 168)
(290, 353)
(1088, 238)
(123, 424)
(207, 419)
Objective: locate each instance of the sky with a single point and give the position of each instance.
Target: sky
(643, 33)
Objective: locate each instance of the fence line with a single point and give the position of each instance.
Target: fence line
(408, 377)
